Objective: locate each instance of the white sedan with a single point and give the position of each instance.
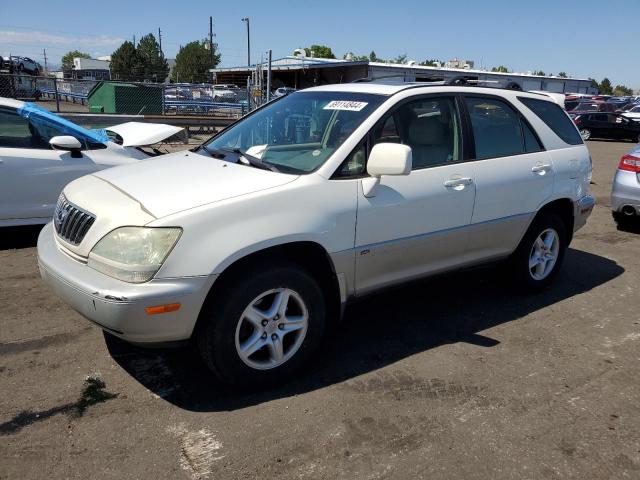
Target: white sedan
(633, 113)
(41, 152)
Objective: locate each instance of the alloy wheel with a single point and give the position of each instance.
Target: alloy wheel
(271, 329)
(544, 254)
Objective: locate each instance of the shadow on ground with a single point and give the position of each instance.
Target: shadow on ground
(19, 237)
(375, 332)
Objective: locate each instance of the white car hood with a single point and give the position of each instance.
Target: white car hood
(180, 181)
(137, 134)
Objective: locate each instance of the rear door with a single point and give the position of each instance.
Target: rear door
(600, 126)
(513, 175)
(32, 174)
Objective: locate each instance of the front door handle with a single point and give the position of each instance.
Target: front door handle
(541, 168)
(458, 183)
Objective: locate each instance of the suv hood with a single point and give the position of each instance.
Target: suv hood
(179, 181)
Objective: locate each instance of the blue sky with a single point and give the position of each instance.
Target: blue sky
(549, 35)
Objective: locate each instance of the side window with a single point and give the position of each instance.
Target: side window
(14, 130)
(355, 164)
(19, 132)
(553, 116)
(496, 128)
(600, 117)
(430, 126)
(531, 143)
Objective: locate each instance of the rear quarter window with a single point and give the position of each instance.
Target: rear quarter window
(555, 118)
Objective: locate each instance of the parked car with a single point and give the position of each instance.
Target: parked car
(41, 152)
(592, 106)
(625, 194)
(26, 65)
(224, 93)
(282, 91)
(633, 112)
(249, 244)
(607, 125)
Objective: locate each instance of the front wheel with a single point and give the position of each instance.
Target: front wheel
(262, 327)
(585, 133)
(538, 258)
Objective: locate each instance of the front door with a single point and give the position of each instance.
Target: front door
(32, 174)
(416, 224)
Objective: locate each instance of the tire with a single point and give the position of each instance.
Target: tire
(529, 277)
(625, 222)
(585, 133)
(224, 327)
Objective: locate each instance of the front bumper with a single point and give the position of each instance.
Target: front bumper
(625, 191)
(582, 209)
(117, 306)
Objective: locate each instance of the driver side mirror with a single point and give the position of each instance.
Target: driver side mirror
(386, 159)
(389, 159)
(68, 143)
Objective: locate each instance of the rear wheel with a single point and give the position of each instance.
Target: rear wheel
(585, 133)
(261, 328)
(538, 258)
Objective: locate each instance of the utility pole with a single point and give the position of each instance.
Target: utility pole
(211, 45)
(134, 40)
(44, 51)
(246, 19)
(269, 76)
(160, 42)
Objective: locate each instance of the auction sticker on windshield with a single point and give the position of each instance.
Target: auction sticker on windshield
(345, 105)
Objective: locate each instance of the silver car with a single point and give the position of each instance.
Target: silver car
(625, 195)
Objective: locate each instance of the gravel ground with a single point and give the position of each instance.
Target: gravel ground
(454, 377)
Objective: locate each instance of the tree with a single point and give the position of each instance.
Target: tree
(594, 83)
(605, 87)
(562, 75)
(401, 59)
(373, 57)
(194, 60)
(319, 51)
(124, 63)
(501, 69)
(622, 91)
(152, 64)
(539, 73)
(67, 58)
(430, 63)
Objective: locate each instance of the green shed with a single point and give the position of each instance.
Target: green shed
(125, 98)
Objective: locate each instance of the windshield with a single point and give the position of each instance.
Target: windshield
(299, 132)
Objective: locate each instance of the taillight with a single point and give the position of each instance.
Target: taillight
(577, 120)
(630, 163)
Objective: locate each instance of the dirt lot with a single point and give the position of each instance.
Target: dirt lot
(450, 378)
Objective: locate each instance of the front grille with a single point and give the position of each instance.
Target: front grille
(71, 222)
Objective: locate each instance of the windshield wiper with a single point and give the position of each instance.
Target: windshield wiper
(253, 161)
(221, 154)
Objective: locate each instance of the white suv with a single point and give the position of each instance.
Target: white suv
(251, 244)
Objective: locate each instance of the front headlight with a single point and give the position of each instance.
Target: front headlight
(133, 254)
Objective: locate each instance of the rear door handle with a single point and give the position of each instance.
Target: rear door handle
(541, 168)
(458, 183)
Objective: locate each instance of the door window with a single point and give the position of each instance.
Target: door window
(430, 126)
(17, 131)
(496, 128)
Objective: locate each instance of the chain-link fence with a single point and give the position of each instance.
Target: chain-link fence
(129, 98)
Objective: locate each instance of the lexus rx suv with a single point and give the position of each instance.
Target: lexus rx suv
(251, 245)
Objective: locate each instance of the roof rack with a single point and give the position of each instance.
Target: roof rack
(459, 80)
